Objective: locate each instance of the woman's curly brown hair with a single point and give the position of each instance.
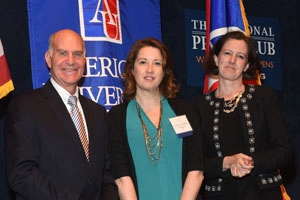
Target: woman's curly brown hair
(168, 86)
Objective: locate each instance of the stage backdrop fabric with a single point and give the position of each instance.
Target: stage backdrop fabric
(109, 28)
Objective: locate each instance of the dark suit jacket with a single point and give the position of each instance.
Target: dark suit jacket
(45, 158)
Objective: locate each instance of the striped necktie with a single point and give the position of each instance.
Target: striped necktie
(79, 124)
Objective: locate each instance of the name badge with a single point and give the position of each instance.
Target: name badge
(181, 126)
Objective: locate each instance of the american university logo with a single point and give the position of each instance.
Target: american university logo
(100, 20)
(101, 23)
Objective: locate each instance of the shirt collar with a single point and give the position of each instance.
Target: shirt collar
(63, 93)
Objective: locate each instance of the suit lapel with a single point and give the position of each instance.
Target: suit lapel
(55, 103)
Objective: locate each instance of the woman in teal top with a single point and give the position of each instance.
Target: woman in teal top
(171, 155)
(149, 160)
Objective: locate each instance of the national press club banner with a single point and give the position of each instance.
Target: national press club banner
(264, 31)
(108, 27)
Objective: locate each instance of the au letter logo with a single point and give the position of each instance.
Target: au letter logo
(100, 20)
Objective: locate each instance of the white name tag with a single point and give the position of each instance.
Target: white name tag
(181, 126)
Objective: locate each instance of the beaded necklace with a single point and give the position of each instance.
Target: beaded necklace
(153, 145)
(247, 115)
(230, 105)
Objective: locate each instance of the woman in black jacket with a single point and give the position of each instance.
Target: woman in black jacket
(244, 137)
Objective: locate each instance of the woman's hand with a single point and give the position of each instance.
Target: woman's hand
(239, 164)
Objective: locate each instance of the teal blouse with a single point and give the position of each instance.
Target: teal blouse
(161, 181)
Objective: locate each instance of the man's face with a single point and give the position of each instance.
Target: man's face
(66, 60)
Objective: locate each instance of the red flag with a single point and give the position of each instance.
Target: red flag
(222, 17)
(6, 84)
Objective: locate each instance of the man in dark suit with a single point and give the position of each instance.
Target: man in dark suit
(44, 152)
